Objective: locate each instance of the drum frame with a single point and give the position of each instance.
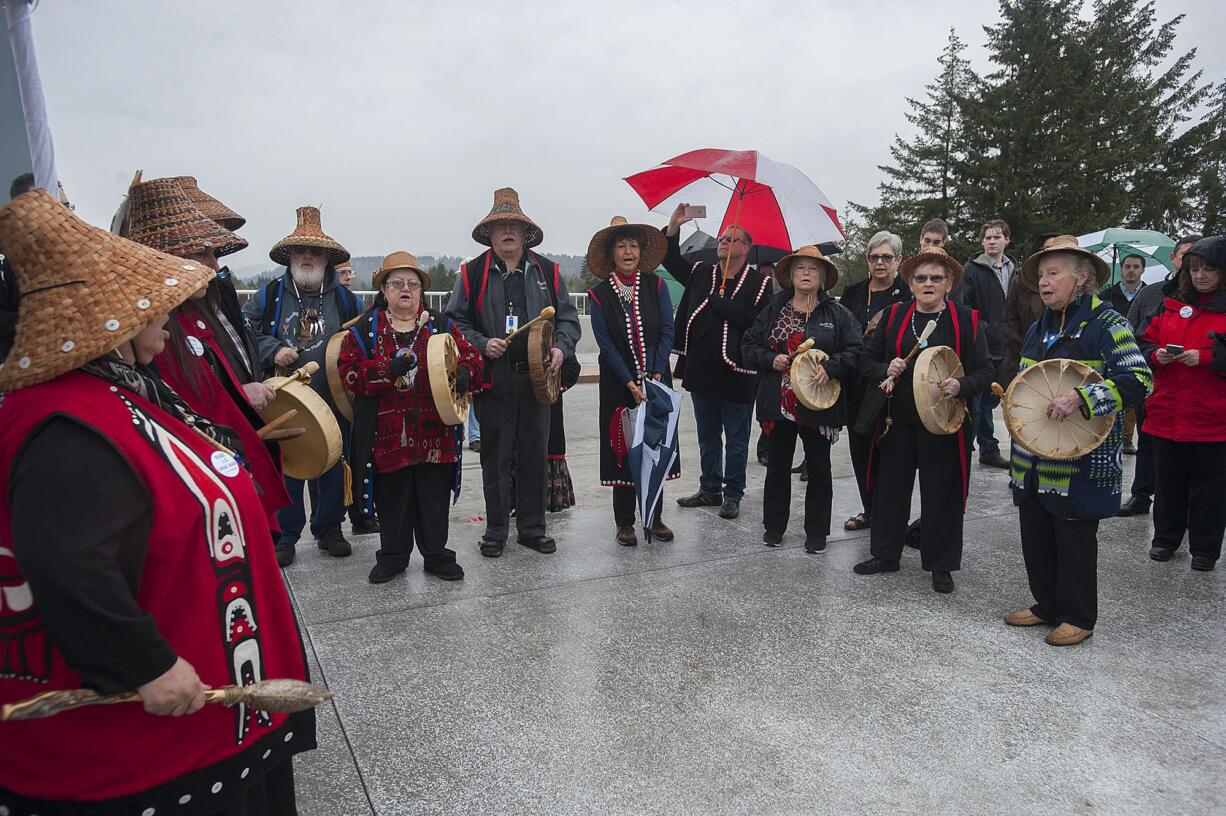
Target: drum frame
(546, 381)
(442, 362)
(943, 415)
(1096, 428)
(829, 392)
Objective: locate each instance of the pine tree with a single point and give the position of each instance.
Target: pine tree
(1209, 190)
(920, 184)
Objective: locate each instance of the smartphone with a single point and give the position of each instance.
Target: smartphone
(1173, 349)
(696, 211)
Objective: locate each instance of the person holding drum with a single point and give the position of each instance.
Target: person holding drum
(803, 310)
(1186, 415)
(867, 300)
(396, 422)
(926, 427)
(1061, 497)
(632, 320)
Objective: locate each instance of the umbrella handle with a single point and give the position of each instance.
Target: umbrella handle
(736, 224)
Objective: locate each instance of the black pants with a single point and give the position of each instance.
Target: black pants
(819, 490)
(412, 504)
(941, 463)
(513, 416)
(1143, 476)
(859, 445)
(1061, 564)
(1191, 495)
(625, 507)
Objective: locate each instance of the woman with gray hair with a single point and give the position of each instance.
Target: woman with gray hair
(867, 299)
(1060, 502)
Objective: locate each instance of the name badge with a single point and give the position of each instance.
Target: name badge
(512, 323)
(1185, 312)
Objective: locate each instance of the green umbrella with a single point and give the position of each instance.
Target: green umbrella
(1113, 244)
(675, 289)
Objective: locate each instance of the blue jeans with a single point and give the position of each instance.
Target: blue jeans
(474, 426)
(981, 421)
(719, 424)
(327, 504)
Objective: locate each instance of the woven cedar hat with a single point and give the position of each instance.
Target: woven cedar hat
(308, 233)
(506, 208)
(932, 255)
(211, 207)
(399, 260)
(160, 215)
(1064, 243)
(83, 290)
(653, 246)
(783, 269)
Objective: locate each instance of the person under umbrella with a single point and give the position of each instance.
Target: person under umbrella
(632, 321)
(396, 424)
(1186, 414)
(904, 444)
(1060, 502)
(804, 309)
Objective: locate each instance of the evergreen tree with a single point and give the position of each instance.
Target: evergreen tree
(1209, 190)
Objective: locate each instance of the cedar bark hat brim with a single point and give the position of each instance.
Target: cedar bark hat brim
(161, 215)
(308, 234)
(783, 269)
(653, 246)
(507, 208)
(932, 255)
(83, 290)
(211, 207)
(1068, 244)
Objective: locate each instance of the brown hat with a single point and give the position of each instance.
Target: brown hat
(83, 290)
(506, 208)
(932, 255)
(1064, 243)
(308, 234)
(160, 215)
(653, 246)
(399, 260)
(783, 269)
(211, 207)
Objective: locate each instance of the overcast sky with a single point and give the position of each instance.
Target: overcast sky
(400, 117)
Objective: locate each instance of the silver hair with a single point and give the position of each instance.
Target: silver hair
(1078, 264)
(885, 237)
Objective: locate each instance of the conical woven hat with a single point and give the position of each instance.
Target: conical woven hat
(211, 207)
(506, 208)
(161, 216)
(653, 246)
(308, 233)
(783, 269)
(83, 290)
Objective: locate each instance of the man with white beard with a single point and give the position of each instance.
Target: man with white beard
(293, 317)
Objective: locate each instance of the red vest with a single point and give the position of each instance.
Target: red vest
(215, 403)
(210, 581)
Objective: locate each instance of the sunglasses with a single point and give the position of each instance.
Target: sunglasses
(881, 258)
(399, 284)
(724, 239)
(927, 278)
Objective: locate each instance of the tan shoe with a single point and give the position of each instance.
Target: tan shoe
(1066, 634)
(1023, 617)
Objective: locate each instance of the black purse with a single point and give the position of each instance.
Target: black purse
(874, 406)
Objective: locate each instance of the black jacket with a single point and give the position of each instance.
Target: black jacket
(834, 330)
(981, 291)
(232, 310)
(855, 298)
(1114, 294)
(710, 327)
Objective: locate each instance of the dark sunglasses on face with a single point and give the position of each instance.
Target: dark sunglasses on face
(927, 278)
(880, 259)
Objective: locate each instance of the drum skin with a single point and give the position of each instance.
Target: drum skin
(319, 449)
(1026, 403)
(811, 395)
(546, 382)
(442, 360)
(340, 395)
(940, 414)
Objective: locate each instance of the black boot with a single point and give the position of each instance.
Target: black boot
(875, 565)
(942, 582)
(285, 553)
(1135, 506)
(701, 499)
(333, 542)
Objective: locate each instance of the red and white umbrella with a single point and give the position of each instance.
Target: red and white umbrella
(779, 205)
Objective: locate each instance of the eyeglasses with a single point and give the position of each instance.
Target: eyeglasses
(881, 258)
(401, 283)
(927, 278)
(735, 239)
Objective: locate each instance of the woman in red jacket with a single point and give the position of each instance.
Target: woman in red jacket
(1186, 415)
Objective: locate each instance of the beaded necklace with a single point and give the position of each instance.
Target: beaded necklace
(935, 317)
(404, 382)
(307, 318)
(628, 296)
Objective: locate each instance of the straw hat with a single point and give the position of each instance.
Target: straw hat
(211, 207)
(932, 255)
(83, 290)
(783, 269)
(399, 260)
(506, 208)
(308, 233)
(653, 246)
(1064, 243)
(161, 216)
